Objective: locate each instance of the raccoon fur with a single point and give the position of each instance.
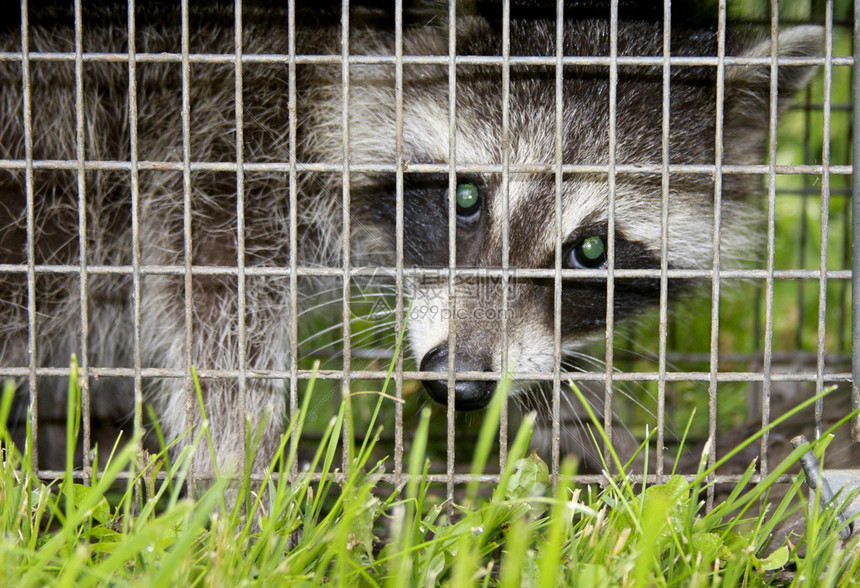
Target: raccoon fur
(505, 202)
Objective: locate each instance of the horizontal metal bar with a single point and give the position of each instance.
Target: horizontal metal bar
(385, 271)
(251, 373)
(792, 357)
(434, 168)
(532, 60)
(757, 357)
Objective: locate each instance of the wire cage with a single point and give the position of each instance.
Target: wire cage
(138, 142)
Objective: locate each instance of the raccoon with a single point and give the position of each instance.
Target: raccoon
(186, 235)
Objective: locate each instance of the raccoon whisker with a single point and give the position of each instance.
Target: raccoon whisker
(580, 360)
(634, 347)
(387, 319)
(358, 342)
(333, 285)
(364, 336)
(576, 366)
(540, 403)
(364, 333)
(585, 358)
(629, 396)
(597, 407)
(309, 310)
(640, 386)
(622, 389)
(335, 292)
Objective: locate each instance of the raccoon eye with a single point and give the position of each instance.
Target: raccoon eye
(590, 253)
(468, 203)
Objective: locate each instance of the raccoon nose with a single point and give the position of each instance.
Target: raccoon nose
(468, 394)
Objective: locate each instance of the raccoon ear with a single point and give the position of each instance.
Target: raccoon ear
(747, 98)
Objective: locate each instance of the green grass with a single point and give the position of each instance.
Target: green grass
(311, 530)
(359, 530)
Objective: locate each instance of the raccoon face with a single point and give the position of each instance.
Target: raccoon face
(508, 218)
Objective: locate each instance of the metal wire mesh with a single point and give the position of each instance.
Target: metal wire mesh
(807, 206)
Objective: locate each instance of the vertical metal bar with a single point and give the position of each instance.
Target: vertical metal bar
(559, 242)
(767, 358)
(80, 153)
(398, 302)
(664, 241)
(610, 228)
(715, 266)
(825, 214)
(186, 220)
(855, 232)
(347, 325)
(754, 388)
(844, 285)
(506, 182)
(239, 106)
(803, 237)
(29, 182)
(135, 224)
(452, 246)
(294, 281)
